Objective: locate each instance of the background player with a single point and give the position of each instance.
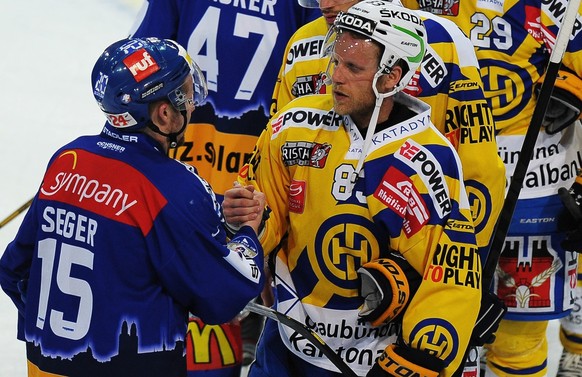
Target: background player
(536, 275)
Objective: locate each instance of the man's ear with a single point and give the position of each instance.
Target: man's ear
(387, 82)
(161, 113)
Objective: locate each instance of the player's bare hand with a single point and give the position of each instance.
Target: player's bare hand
(256, 222)
(243, 204)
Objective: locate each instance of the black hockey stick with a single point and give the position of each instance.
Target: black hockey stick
(504, 219)
(308, 333)
(11, 217)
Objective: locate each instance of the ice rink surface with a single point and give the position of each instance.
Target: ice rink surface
(49, 48)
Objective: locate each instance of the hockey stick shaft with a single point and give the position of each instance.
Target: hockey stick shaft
(11, 217)
(309, 334)
(527, 148)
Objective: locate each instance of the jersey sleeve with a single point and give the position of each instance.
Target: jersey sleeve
(282, 91)
(151, 24)
(212, 278)
(15, 265)
(302, 70)
(451, 84)
(551, 19)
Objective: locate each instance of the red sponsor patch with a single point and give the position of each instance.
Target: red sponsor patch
(118, 192)
(397, 193)
(141, 64)
(244, 171)
(533, 24)
(297, 196)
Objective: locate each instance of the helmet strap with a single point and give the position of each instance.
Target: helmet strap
(171, 136)
(371, 130)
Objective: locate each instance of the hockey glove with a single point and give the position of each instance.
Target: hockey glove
(386, 284)
(491, 312)
(565, 104)
(401, 360)
(570, 220)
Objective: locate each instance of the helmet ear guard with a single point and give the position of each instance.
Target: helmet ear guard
(565, 106)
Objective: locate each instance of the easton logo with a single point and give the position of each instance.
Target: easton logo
(141, 64)
(356, 23)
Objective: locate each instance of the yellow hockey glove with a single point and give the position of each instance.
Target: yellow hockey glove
(386, 284)
(401, 360)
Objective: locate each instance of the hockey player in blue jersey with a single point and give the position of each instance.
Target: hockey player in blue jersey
(121, 242)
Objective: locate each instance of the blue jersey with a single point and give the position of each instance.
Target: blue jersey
(239, 46)
(120, 243)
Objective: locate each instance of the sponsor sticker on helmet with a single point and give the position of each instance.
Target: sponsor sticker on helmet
(141, 64)
(356, 23)
(100, 85)
(121, 120)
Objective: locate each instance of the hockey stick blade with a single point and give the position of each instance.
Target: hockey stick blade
(309, 334)
(527, 148)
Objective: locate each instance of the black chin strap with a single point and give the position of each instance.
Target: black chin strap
(172, 136)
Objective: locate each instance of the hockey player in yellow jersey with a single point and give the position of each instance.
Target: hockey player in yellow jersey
(536, 276)
(358, 180)
(448, 80)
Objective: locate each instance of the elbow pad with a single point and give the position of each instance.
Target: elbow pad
(387, 285)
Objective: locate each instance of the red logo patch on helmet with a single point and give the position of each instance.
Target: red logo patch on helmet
(141, 64)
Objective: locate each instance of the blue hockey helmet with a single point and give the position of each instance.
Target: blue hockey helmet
(132, 73)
